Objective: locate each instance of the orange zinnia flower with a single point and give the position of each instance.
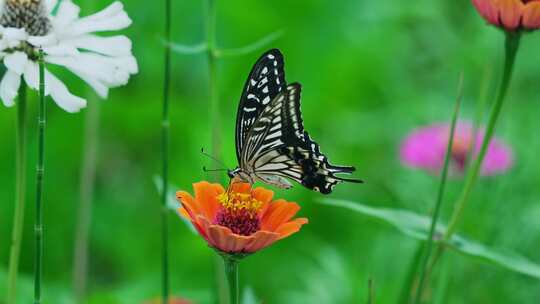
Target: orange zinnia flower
(241, 220)
(510, 14)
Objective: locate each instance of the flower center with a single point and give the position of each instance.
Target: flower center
(460, 152)
(527, 1)
(239, 212)
(29, 15)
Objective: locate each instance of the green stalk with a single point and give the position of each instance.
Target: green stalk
(86, 192)
(212, 72)
(20, 191)
(480, 107)
(84, 213)
(231, 271)
(511, 48)
(440, 195)
(371, 292)
(40, 172)
(165, 138)
(211, 54)
(406, 291)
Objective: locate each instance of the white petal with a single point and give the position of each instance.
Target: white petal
(31, 77)
(68, 12)
(14, 36)
(108, 12)
(61, 95)
(111, 46)
(111, 71)
(109, 19)
(53, 86)
(9, 87)
(16, 62)
(43, 41)
(62, 49)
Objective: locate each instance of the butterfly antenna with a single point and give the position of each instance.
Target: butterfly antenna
(213, 158)
(213, 170)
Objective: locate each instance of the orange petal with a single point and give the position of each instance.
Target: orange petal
(487, 9)
(206, 196)
(188, 202)
(225, 240)
(278, 213)
(240, 187)
(510, 13)
(263, 195)
(531, 15)
(291, 227)
(261, 239)
(201, 225)
(184, 213)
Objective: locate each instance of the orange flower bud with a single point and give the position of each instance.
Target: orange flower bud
(510, 15)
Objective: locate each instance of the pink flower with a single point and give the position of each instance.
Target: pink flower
(425, 148)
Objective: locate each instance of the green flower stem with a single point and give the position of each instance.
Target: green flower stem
(86, 190)
(511, 48)
(213, 79)
(410, 279)
(231, 271)
(440, 195)
(40, 172)
(20, 190)
(212, 57)
(165, 126)
(371, 292)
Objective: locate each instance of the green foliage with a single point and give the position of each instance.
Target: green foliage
(371, 72)
(417, 226)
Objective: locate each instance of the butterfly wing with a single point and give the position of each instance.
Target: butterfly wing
(278, 147)
(266, 80)
(260, 156)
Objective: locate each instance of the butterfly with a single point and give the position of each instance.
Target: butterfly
(271, 143)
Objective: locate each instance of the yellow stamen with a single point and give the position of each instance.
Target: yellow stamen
(239, 202)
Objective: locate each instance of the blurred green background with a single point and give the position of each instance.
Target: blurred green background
(371, 71)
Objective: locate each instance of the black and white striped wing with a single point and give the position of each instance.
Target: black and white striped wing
(262, 154)
(278, 147)
(266, 80)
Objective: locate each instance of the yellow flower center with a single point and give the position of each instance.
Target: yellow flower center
(239, 212)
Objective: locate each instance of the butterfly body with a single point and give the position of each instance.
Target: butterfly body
(271, 143)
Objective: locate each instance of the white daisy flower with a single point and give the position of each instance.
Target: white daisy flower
(67, 40)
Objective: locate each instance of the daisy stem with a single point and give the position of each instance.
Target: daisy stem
(231, 270)
(40, 172)
(165, 126)
(511, 48)
(20, 178)
(440, 195)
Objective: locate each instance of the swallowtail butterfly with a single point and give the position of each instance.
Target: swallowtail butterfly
(271, 143)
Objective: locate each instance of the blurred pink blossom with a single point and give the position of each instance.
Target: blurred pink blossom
(425, 148)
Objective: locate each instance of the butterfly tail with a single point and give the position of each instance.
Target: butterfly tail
(345, 170)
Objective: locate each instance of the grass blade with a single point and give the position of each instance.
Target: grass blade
(440, 195)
